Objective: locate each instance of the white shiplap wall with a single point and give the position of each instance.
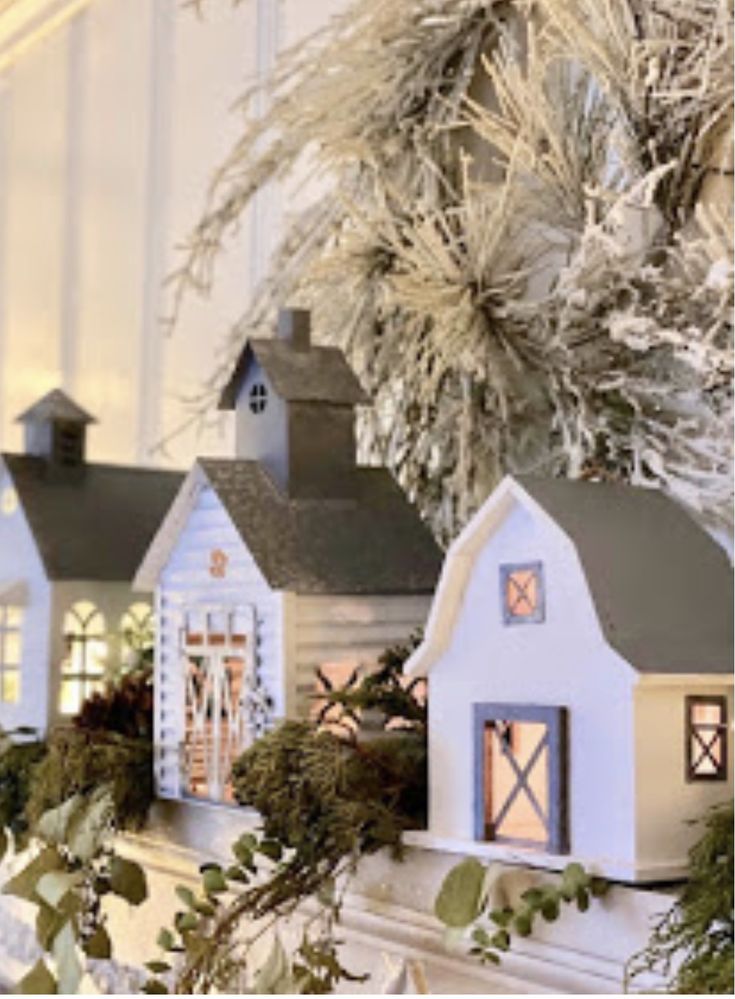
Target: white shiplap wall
(114, 115)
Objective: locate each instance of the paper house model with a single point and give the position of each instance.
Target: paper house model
(72, 534)
(287, 558)
(579, 656)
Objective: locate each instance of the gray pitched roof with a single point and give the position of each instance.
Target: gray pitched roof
(56, 405)
(374, 543)
(94, 525)
(316, 374)
(662, 587)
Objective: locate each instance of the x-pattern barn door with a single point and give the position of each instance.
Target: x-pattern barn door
(521, 775)
(219, 665)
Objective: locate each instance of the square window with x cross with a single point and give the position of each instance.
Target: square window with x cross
(522, 593)
(706, 738)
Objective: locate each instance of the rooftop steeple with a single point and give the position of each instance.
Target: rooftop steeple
(55, 429)
(294, 404)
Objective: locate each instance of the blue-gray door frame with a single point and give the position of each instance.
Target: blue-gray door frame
(555, 719)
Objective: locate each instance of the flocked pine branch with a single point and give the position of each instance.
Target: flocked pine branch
(522, 241)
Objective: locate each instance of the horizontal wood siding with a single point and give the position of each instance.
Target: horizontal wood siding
(186, 582)
(347, 629)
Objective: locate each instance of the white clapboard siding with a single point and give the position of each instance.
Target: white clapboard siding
(186, 583)
(327, 629)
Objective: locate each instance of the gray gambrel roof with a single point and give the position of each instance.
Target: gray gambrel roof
(319, 374)
(661, 586)
(663, 589)
(94, 525)
(374, 543)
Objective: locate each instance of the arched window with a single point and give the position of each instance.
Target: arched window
(11, 640)
(82, 670)
(137, 635)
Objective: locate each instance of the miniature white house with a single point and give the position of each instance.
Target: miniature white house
(288, 558)
(72, 533)
(579, 656)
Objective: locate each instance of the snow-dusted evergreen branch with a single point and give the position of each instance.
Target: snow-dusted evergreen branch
(522, 239)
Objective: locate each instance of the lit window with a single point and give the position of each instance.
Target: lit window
(223, 699)
(522, 593)
(11, 646)
(137, 634)
(706, 738)
(82, 671)
(521, 789)
(258, 397)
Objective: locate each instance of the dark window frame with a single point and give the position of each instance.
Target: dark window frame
(258, 398)
(538, 616)
(556, 720)
(692, 731)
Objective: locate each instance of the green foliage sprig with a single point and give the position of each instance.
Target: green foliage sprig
(324, 801)
(20, 752)
(466, 901)
(80, 761)
(692, 944)
(325, 798)
(125, 707)
(73, 868)
(110, 742)
(384, 690)
(203, 950)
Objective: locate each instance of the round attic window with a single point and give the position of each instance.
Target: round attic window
(258, 397)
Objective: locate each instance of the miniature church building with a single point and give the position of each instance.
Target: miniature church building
(72, 534)
(579, 656)
(288, 558)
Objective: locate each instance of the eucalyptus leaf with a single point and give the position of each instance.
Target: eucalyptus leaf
(575, 877)
(274, 976)
(186, 895)
(38, 982)
(127, 879)
(165, 939)
(460, 898)
(68, 966)
(54, 885)
(158, 967)
(271, 848)
(48, 923)
(155, 987)
(213, 880)
(53, 825)
(23, 885)
(90, 826)
(186, 921)
(99, 945)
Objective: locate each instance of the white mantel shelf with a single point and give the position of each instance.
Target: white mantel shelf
(387, 917)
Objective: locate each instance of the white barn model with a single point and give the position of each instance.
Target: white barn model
(579, 657)
(283, 560)
(72, 533)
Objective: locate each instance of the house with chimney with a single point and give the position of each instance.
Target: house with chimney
(72, 533)
(288, 558)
